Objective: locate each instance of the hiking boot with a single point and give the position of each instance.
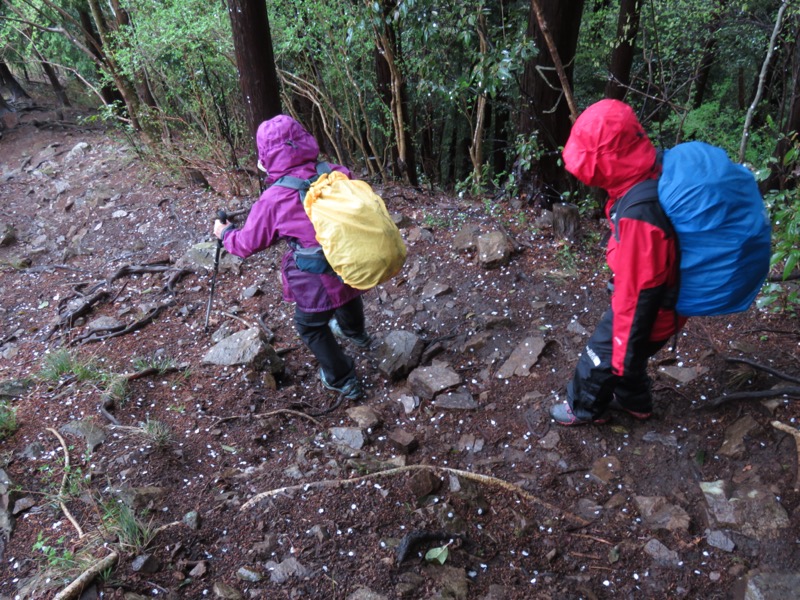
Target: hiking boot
(351, 389)
(563, 415)
(617, 405)
(362, 340)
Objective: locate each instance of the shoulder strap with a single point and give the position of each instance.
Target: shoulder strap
(302, 185)
(645, 191)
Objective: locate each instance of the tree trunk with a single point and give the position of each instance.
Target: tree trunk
(389, 50)
(108, 93)
(622, 57)
(258, 78)
(58, 89)
(140, 83)
(15, 89)
(543, 107)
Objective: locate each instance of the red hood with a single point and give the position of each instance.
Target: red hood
(608, 148)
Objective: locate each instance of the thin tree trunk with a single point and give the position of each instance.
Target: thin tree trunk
(58, 89)
(622, 57)
(767, 59)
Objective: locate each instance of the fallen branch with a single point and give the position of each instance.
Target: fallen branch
(485, 479)
(76, 587)
(63, 506)
(796, 435)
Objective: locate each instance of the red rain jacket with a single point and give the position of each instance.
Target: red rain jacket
(608, 148)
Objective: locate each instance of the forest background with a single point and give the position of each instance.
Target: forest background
(471, 97)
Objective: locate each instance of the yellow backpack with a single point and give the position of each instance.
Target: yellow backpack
(359, 240)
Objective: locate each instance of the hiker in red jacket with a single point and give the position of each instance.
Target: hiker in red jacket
(608, 148)
(324, 304)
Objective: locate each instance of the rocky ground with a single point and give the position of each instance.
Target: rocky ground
(165, 460)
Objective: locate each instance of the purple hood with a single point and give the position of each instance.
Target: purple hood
(286, 148)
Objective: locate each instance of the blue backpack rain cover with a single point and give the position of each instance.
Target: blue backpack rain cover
(722, 227)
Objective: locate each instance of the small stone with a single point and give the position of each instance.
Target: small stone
(248, 574)
(145, 563)
(403, 441)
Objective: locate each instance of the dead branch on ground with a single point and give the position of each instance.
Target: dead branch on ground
(485, 479)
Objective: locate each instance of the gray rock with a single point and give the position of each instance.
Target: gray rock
(202, 255)
(456, 401)
(14, 388)
(465, 239)
(657, 513)
(225, 591)
(682, 374)
(192, 520)
(771, 586)
(435, 289)
(751, 508)
(87, 429)
(733, 444)
(8, 234)
(494, 249)
(399, 354)
(364, 416)
(246, 348)
(79, 150)
(522, 358)
(145, 563)
(104, 323)
(366, 594)
(352, 437)
(426, 382)
(283, 571)
(718, 539)
(249, 574)
(661, 554)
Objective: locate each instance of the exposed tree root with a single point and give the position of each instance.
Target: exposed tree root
(83, 308)
(796, 435)
(485, 479)
(74, 589)
(791, 391)
(140, 324)
(63, 506)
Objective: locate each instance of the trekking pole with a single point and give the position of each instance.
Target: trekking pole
(222, 216)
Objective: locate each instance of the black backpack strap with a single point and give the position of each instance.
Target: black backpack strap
(645, 191)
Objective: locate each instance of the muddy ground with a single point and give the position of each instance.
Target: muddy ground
(526, 509)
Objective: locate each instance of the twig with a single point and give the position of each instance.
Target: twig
(796, 435)
(486, 479)
(76, 587)
(63, 506)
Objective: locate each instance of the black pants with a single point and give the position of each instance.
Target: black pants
(315, 333)
(594, 384)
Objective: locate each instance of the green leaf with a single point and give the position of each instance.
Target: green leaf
(437, 555)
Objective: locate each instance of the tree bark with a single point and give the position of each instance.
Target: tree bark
(108, 93)
(15, 89)
(543, 109)
(622, 57)
(389, 50)
(258, 78)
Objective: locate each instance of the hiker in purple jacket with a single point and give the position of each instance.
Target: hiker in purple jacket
(286, 148)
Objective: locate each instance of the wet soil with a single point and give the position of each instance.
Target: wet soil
(526, 509)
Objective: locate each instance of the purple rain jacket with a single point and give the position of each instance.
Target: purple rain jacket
(286, 148)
